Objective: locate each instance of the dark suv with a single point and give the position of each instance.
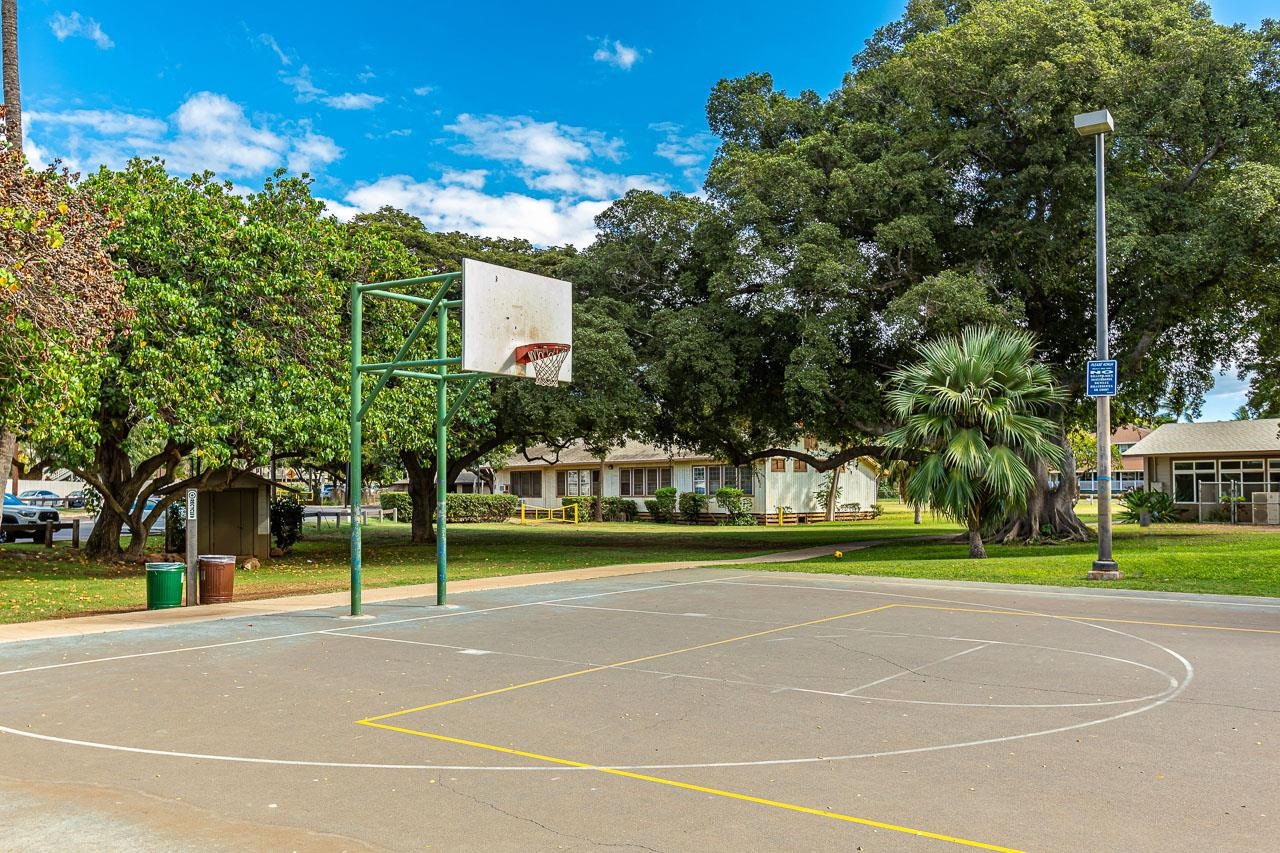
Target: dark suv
(30, 518)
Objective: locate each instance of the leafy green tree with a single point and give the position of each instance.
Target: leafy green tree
(59, 296)
(979, 407)
(1084, 450)
(236, 349)
(947, 164)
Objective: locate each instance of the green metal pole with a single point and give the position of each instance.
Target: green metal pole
(355, 479)
(442, 457)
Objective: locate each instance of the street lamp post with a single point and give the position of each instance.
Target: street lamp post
(1098, 124)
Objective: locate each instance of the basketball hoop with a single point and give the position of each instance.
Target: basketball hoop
(547, 360)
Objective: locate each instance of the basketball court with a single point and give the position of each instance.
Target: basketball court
(698, 709)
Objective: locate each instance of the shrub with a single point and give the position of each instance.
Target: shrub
(479, 508)
(851, 507)
(651, 507)
(619, 509)
(586, 506)
(400, 502)
(876, 510)
(175, 527)
(1159, 505)
(692, 505)
(286, 521)
(666, 499)
(737, 505)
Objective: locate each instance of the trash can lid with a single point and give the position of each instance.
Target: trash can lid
(165, 567)
(218, 558)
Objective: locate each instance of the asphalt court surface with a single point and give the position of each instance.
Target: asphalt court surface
(700, 709)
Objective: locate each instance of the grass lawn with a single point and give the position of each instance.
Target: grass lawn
(1170, 557)
(38, 583)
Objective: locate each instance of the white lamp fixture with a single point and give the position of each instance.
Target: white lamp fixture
(1098, 121)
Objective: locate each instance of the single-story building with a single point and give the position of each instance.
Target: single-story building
(542, 477)
(1214, 469)
(1130, 474)
(233, 514)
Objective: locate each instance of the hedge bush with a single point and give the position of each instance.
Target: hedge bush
(398, 501)
(286, 521)
(737, 505)
(662, 506)
(620, 509)
(692, 505)
(586, 506)
(478, 508)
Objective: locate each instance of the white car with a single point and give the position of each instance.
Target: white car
(31, 519)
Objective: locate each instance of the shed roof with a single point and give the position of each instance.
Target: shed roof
(1257, 436)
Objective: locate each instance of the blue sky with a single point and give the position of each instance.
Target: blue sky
(506, 119)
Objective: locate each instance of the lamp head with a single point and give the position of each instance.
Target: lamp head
(1091, 124)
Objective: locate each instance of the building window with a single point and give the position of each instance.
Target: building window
(799, 466)
(1187, 477)
(713, 478)
(1273, 466)
(778, 464)
(577, 483)
(642, 482)
(1244, 476)
(526, 484)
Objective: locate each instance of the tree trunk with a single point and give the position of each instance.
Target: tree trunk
(833, 494)
(8, 448)
(422, 496)
(12, 90)
(597, 513)
(976, 549)
(1050, 514)
(918, 510)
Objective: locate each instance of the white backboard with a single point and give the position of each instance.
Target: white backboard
(504, 309)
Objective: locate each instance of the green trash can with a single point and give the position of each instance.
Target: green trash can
(164, 585)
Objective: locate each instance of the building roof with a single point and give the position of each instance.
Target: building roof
(1259, 436)
(577, 454)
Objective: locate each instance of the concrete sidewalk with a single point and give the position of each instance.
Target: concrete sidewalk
(137, 619)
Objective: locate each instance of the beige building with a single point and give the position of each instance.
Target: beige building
(1213, 470)
(543, 477)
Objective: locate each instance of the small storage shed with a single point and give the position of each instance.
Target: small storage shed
(234, 515)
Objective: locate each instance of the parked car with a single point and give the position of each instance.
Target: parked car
(42, 494)
(75, 500)
(29, 520)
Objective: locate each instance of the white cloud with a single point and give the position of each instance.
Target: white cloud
(550, 157)
(208, 131)
(66, 26)
(424, 90)
(354, 101)
(473, 178)
(451, 207)
(617, 54)
(689, 152)
(344, 212)
(366, 75)
(270, 41)
(303, 87)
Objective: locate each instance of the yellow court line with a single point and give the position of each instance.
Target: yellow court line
(1090, 618)
(590, 670)
(747, 798)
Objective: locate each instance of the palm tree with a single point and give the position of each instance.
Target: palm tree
(974, 405)
(12, 137)
(12, 91)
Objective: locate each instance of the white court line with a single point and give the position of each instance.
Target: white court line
(1016, 589)
(915, 671)
(354, 627)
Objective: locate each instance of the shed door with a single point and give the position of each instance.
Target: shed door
(233, 521)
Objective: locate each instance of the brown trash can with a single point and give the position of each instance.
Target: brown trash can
(217, 578)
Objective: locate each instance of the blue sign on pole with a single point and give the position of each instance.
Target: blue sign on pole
(1100, 379)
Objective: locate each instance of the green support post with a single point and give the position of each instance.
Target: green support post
(439, 305)
(442, 457)
(355, 479)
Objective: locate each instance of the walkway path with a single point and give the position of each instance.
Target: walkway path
(137, 619)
